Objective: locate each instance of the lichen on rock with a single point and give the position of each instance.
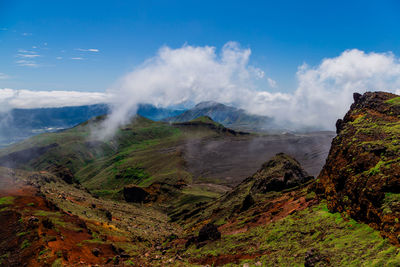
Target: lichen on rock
(362, 173)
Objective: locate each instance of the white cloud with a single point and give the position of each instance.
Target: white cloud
(10, 98)
(59, 58)
(189, 73)
(324, 92)
(26, 34)
(26, 63)
(77, 58)
(271, 82)
(28, 55)
(3, 76)
(88, 50)
(26, 51)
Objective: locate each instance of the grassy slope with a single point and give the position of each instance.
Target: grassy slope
(285, 242)
(142, 152)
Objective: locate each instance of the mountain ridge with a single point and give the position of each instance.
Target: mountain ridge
(231, 117)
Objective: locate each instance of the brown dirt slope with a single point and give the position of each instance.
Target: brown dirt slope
(280, 173)
(362, 173)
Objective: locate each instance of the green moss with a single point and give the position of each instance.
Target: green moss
(22, 233)
(394, 101)
(4, 257)
(6, 200)
(44, 251)
(129, 262)
(57, 263)
(391, 200)
(377, 169)
(285, 242)
(25, 244)
(45, 213)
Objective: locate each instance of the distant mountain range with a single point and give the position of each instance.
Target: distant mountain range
(19, 124)
(230, 117)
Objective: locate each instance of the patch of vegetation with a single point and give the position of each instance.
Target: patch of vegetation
(285, 242)
(56, 219)
(6, 200)
(376, 170)
(44, 213)
(57, 263)
(394, 101)
(4, 257)
(25, 244)
(129, 262)
(44, 251)
(22, 233)
(391, 200)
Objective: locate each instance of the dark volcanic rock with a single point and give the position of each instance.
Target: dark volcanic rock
(312, 258)
(136, 194)
(96, 252)
(209, 232)
(362, 173)
(281, 172)
(63, 172)
(47, 223)
(247, 202)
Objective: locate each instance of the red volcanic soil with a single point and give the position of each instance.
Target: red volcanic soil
(270, 211)
(35, 233)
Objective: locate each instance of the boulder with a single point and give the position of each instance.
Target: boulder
(209, 232)
(136, 194)
(279, 173)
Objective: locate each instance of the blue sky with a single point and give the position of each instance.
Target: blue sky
(43, 43)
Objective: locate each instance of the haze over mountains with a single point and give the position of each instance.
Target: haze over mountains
(230, 117)
(19, 124)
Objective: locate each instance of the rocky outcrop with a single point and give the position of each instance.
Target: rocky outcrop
(362, 173)
(136, 194)
(208, 232)
(63, 172)
(279, 173)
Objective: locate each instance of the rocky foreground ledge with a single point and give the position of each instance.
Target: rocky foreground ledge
(361, 176)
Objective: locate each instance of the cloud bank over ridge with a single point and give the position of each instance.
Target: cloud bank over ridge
(202, 73)
(10, 98)
(324, 92)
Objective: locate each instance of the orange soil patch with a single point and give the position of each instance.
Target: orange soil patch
(26, 240)
(272, 211)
